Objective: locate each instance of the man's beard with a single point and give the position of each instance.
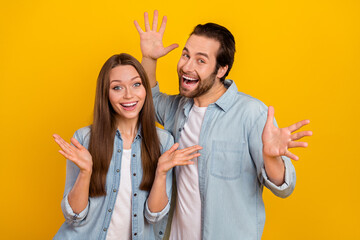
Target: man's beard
(204, 85)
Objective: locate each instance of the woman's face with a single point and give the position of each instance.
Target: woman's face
(127, 93)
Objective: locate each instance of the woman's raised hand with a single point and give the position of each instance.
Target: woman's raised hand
(78, 154)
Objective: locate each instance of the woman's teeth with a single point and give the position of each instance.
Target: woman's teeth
(128, 104)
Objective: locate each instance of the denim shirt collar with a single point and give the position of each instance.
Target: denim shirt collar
(227, 99)
(224, 102)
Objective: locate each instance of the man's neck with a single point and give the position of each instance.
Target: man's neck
(211, 96)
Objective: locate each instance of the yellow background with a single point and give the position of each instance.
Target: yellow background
(302, 57)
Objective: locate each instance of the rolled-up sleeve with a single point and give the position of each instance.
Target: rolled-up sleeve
(70, 216)
(155, 217)
(289, 183)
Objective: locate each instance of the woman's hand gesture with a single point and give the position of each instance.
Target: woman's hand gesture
(174, 157)
(76, 153)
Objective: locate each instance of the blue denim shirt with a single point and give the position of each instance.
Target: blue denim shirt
(94, 220)
(231, 168)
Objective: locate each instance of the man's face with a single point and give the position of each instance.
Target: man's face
(196, 67)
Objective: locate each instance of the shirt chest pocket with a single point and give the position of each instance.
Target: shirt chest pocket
(226, 159)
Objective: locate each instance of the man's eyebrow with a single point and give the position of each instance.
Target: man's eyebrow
(198, 53)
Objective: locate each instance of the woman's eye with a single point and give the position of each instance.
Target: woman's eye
(117, 88)
(137, 84)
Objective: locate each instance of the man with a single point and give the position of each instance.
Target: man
(220, 195)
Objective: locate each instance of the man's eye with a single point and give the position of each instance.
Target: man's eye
(185, 55)
(201, 61)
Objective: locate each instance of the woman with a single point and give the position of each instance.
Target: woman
(117, 184)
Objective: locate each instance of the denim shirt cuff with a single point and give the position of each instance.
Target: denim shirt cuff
(155, 217)
(70, 215)
(289, 182)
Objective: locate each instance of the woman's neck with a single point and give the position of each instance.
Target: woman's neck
(128, 129)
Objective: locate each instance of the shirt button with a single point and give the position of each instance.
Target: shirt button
(135, 234)
(105, 229)
(134, 174)
(117, 170)
(109, 210)
(161, 233)
(135, 215)
(119, 150)
(135, 194)
(134, 155)
(179, 129)
(114, 190)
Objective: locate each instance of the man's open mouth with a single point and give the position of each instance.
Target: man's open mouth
(189, 81)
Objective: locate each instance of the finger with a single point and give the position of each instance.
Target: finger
(297, 144)
(291, 155)
(298, 125)
(185, 159)
(299, 135)
(190, 150)
(173, 148)
(163, 25)
(155, 20)
(67, 156)
(76, 143)
(147, 24)
(195, 155)
(170, 48)
(184, 163)
(63, 144)
(138, 28)
(270, 116)
(55, 135)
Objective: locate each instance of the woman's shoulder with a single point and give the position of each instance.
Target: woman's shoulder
(83, 134)
(163, 134)
(165, 138)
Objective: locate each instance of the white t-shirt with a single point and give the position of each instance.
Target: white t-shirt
(186, 223)
(120, 224)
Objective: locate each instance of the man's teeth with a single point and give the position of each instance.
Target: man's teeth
(128, 104)
(189, 78)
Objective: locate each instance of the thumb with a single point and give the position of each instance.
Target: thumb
(270, 116)
(170, 48)
(76, 143)
(173, 148)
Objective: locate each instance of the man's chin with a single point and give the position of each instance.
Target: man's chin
(186, 93)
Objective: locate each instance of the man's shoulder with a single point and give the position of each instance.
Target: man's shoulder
(243, 100)
(165, 138)
(249, 100)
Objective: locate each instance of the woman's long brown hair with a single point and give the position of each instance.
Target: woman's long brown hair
(104, 126)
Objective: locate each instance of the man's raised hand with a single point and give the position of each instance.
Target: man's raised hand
(151, 40)
(277, 141)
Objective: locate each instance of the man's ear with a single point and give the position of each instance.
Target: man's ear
(221, 71)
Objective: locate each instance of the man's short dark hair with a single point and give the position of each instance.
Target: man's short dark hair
(226, 52)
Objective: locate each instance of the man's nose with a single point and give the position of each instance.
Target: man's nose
(188, 66)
